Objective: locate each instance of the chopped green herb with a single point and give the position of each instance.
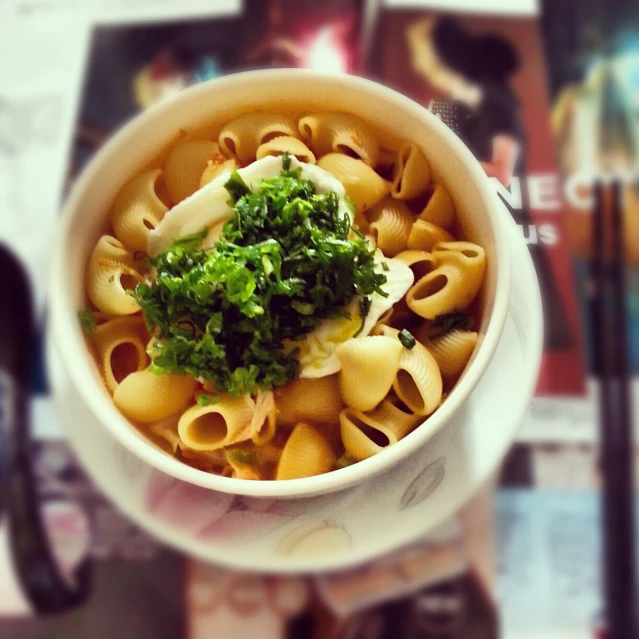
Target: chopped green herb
(406, 338)
(283, 263)
(192, 241)
(205, 399)
(451, 321)
(364, 309)
(244, 457)
(236, 187)
(87, 319)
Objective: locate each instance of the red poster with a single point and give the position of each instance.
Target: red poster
(485, 77)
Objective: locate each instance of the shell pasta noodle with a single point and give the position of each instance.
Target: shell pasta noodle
(306, 453)
(286, 144)
(145, 397)
(121, 347)
(423, 236)
(419, 381)
(137, 209)
(440, 292)
(219, 165)
(213, 427)
(110, 273)
(316, 400)
(185, 164)
(453, 285)
(243, 135)
(470, 259)
(277, 302)
(440, 208)
(452, 352)
(340, 133)
(420, 262)
(411, 174)
(369, 367)
(363, 186)
(366, 434)
(390, 223)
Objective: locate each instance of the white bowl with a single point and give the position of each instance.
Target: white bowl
(142, 139)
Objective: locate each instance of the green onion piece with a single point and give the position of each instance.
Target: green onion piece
(406, 338)
(205, 399)
(87, 320)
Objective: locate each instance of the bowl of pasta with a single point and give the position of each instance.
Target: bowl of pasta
(279, 283)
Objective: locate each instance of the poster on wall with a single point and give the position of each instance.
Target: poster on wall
(483, 75)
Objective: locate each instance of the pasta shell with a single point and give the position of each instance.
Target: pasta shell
(219, 165)
(444, 290)
(424, 236)
(111, 272)
(464, 254)
(121, 348)
(452, 352)
(390, 223)
(137, 209)
(340, 133)
(419, 381)
(286, 144)
(363, 186)
(369, 366)
(218, 425)
(440, 208)
(359, 439)
(305, 454)
(420, 262)
(146, 397)
(412, 172)
(314, 400)
(366, 434)
(184, 167)
(470, 260)
(243, 135)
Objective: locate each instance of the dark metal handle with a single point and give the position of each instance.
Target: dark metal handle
(34, 563)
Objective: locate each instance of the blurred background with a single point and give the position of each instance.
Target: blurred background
(525, 557)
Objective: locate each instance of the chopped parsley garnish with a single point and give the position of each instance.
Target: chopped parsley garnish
(242, 457)
(87, 320)
(451, 321)
(406, 338)
(206, 399)
(285, 260)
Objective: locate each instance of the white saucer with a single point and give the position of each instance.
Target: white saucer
(338, 530)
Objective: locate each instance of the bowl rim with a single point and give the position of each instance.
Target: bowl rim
(67, 335)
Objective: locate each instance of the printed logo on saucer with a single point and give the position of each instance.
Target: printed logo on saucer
(424, 485)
